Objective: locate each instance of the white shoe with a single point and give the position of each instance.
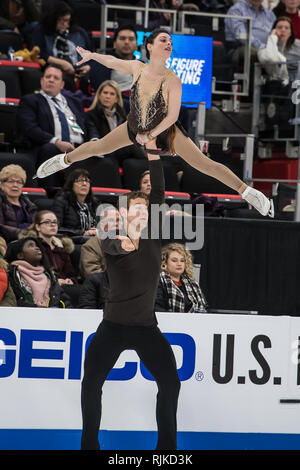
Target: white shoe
(51, 166)
(259, 201)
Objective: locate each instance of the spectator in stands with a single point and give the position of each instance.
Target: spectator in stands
(96, 286)
(125, 43)
(57, 249)
(236, 29)
(30, 276)
(75, 206)
(177, 289)
(290, 9)
(57, 36)
(94, 291)
(181, 5)
(281, 47)
(214, 6)
(20, 16)
(105, 114)
(7, 296)
(160, 19)
(16, 210)
(91, 258)
(156, 20)
(145, 183)
(50, 120)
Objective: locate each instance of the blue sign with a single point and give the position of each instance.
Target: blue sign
(22, 357)
(191, 60)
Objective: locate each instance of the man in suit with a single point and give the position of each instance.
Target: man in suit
(51, 121)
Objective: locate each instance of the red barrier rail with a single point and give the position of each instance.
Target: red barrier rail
(19, 63)
(223, 196)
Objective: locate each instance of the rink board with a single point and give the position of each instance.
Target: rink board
(240, 381)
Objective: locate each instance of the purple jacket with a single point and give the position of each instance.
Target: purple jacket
(10, 226)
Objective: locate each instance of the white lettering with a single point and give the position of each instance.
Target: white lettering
(188, 70)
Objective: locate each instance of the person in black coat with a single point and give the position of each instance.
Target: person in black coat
(75, 206)
(75, 209)
(105, 113)
(94, 291)
(16, 210)
(51, 126)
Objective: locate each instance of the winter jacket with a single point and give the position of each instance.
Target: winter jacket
(94, 291)
(8, 220)
(96, 121)
(57, 297)
(7, 296)
(58, 257)
(67, 214)
(91, 258)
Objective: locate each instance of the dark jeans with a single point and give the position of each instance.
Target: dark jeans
(156, 354)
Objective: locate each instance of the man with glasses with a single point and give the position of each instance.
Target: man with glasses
(51, 120)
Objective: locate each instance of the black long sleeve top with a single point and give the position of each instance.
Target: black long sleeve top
(133, 276)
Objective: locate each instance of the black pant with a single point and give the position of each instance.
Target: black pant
(156, 354)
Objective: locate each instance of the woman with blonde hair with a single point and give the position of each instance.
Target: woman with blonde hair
(177, 289)
(105, 114)
(112, 84)
(16, 210)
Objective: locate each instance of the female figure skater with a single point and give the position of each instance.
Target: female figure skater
(155, 102)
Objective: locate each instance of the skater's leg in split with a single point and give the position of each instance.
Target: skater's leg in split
(187, 150)
(185, 147)
(115, 140)
(112, 141)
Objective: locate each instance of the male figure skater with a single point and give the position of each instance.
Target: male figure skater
(129, 321)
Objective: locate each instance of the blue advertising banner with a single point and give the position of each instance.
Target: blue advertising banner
(191, 60)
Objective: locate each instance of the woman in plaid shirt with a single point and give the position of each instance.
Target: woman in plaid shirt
(177, 289)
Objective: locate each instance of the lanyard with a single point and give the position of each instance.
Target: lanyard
(71, 120)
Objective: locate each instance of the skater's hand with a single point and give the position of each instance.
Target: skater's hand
(64, 146)
(126, 243)
(85, 54)
(142, 139)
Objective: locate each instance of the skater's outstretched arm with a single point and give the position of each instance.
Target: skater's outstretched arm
(125, 66)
